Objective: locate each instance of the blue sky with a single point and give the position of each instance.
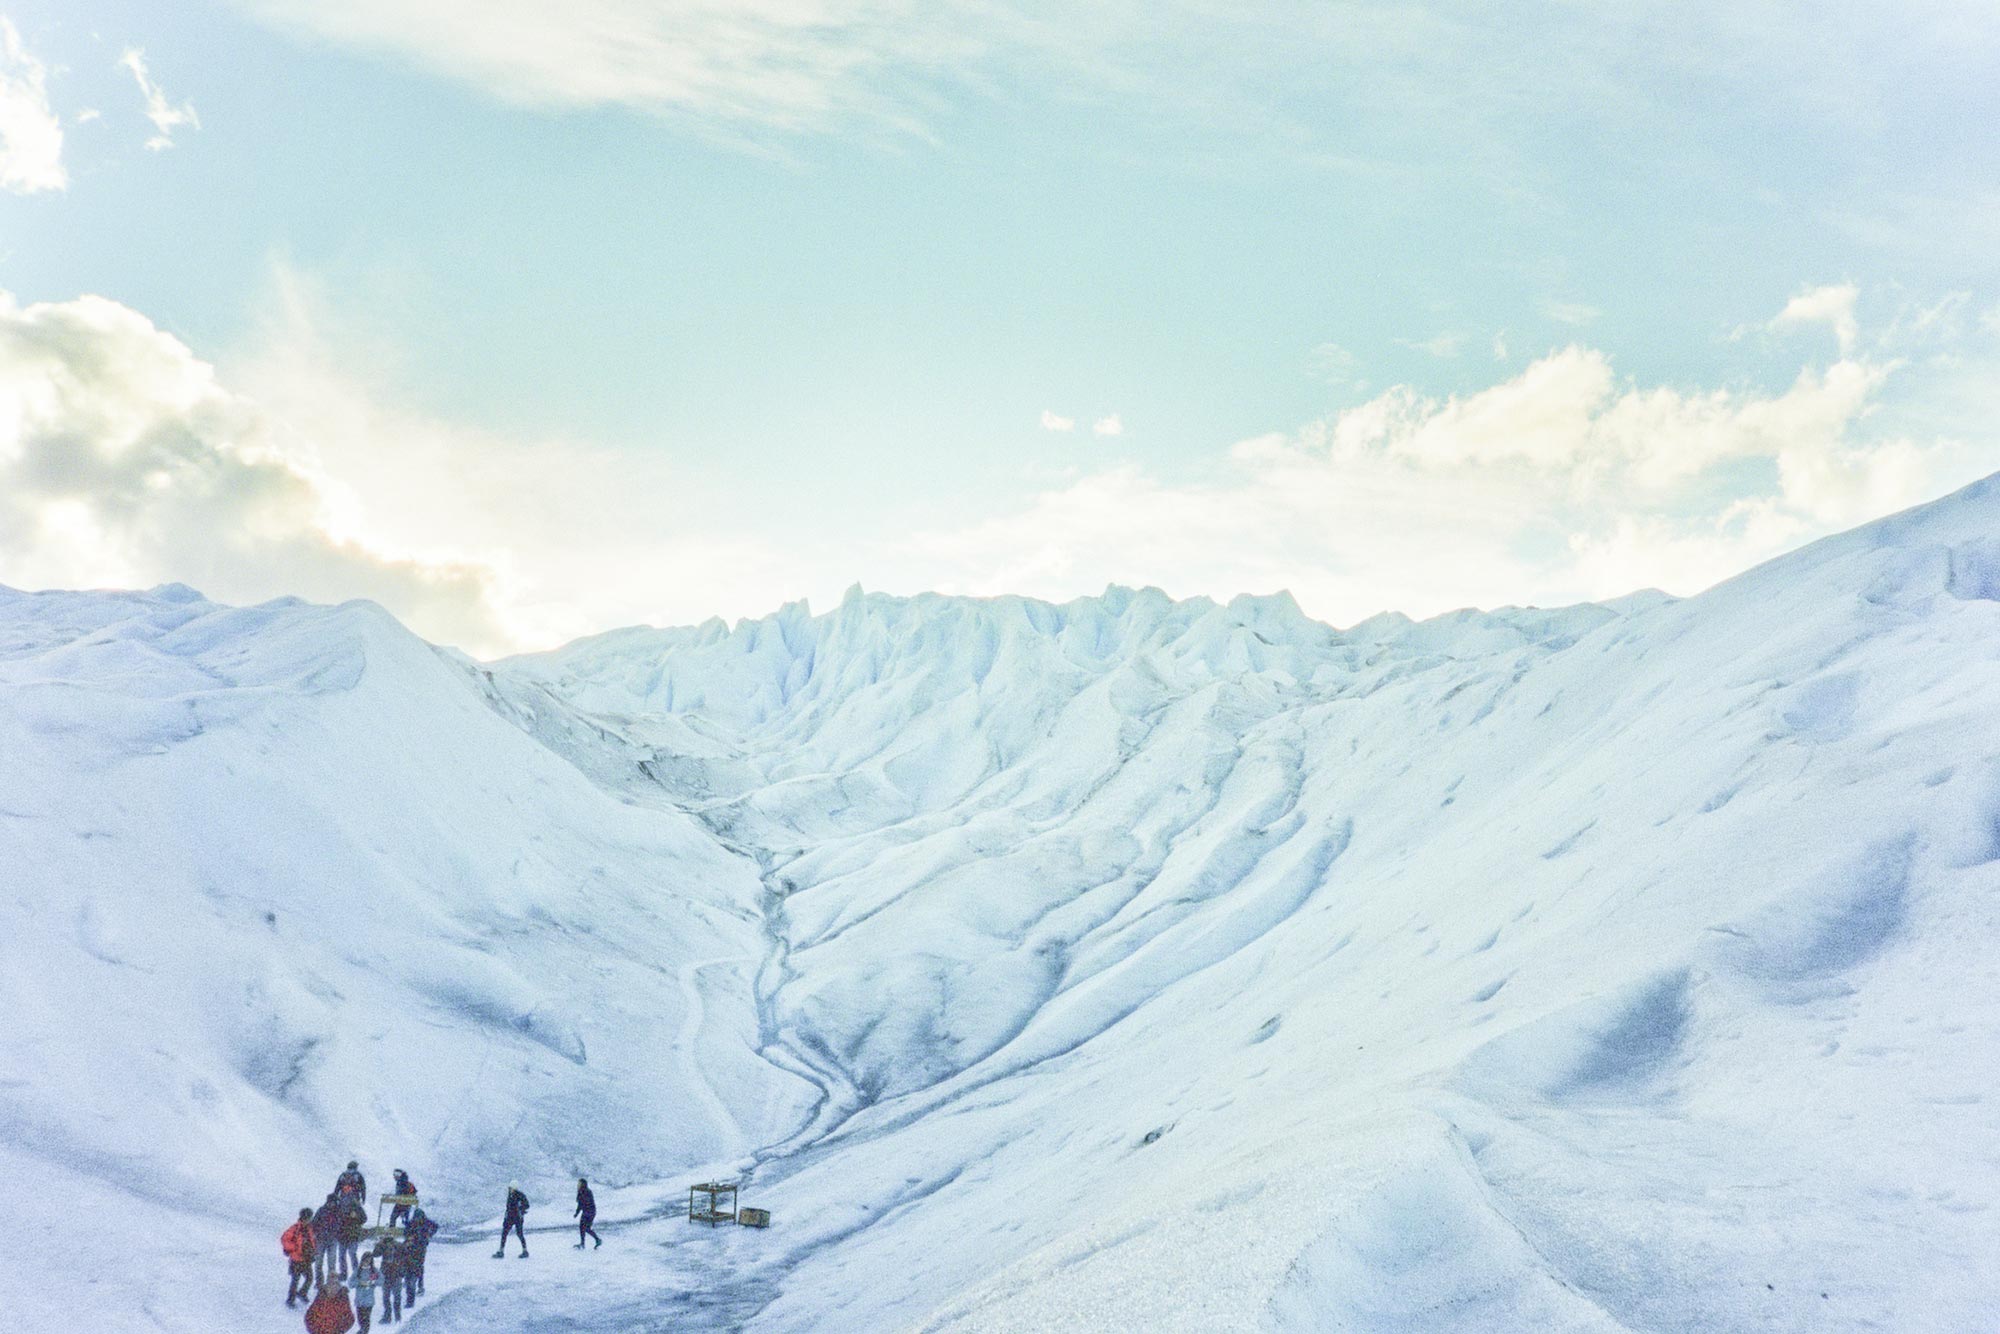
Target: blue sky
(550, 318)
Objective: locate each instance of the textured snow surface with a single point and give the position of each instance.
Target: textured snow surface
(1128, 963)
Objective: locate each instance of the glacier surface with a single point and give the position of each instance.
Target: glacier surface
(1129, 963)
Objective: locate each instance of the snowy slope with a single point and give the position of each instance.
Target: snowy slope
(283, 889)
(1129, 962)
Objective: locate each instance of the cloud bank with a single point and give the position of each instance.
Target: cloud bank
(125, 461)
(1563, 483)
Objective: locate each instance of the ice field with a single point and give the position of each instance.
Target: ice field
(1127, 963)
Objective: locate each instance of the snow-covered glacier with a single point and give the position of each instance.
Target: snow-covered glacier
(1125, 963)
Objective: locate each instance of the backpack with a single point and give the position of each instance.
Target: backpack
(329, 1314)
(297, 1242)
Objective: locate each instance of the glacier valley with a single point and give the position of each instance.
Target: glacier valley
(1127, 963)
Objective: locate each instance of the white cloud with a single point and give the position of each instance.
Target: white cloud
(1052, 422)
(165, 116)
(1571, 312)
(123, 462)
(31, 137)
(1112, 425)
(1561, 483)
(1567, 413)
(1831, 305)
(1500, 346)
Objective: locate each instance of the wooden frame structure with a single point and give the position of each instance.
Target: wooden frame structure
(382, 1231)
(705, 1202)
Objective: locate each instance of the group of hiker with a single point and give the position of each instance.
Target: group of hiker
(346, 1285)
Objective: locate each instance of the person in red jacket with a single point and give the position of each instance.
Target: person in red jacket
(298, 1243)
(330, 1312)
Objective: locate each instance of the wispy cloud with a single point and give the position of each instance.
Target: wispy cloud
(1112, 425)
(1573, 313)
(1336, 365)
(1053, 422)
(1443, 346)
(1831, 305)
(1371, 86)
(796, 65)
(31, 137)
(164, 115)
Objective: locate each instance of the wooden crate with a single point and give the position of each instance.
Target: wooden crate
(754, 1217)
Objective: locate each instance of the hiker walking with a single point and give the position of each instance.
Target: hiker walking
(417, 1245)
(298, 1244)
(586, 1214)
(404, 1186)
(409, 1270)
(326, 1225)
(367, 1282)
(390, 1254)
(515, 1221)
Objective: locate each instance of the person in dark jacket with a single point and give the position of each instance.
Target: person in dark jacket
(326, 1225)
(409, 1275)
(353, 1221)
(586, 1214)
(352, 1183)
(389, 1259)
(404, 1186)
(516, 1220)
(298, 1244)
(417, 1245)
